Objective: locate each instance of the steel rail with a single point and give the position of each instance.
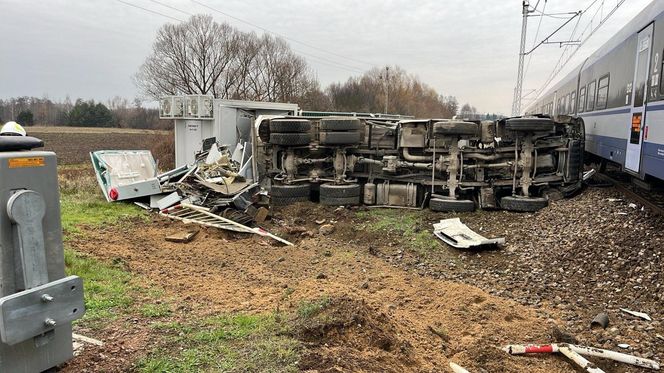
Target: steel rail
(653, 207)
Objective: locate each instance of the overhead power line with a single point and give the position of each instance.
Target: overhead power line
(149, 10)
(318, 59)
(564, 59)
(282, 35)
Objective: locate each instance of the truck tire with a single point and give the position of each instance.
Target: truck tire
(339, 190)
(290, 125)
(529, 124)
(523, 204)
(340, 124)
(340, 138)
(294, 190)
(456, 128)
(451, 205)
(285, 201)
(340, 201)
(290, 139)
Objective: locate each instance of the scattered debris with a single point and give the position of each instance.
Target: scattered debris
(200, 215)
(623, 345)
(588, 174)
(582, 350)
(321, 221)
(79, 342)
(601, 320)
(632, 205)
(213, 191)
(125, 174)
(454, 233)
(614, 199)
(637, 314)
(579, 360)
(182, 237)
(326, 229)
(457, 369)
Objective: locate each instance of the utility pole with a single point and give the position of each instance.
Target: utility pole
(387, 86)
(516, 103)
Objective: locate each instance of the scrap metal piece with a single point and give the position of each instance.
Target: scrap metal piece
(637, 314)
(200, 215)
(454, 233)
(601, 320)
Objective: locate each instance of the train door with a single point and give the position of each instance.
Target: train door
(639, 94)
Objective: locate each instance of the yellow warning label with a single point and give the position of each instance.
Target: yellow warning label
(26, 162)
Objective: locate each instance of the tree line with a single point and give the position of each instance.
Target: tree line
(202, 56)
(117, 112)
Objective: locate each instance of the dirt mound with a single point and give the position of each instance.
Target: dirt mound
(349, 335)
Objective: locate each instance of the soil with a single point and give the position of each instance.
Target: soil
(393, 309)
(74, 144)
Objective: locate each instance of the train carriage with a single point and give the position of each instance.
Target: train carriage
(619, 92)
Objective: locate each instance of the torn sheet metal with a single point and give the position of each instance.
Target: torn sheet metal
(168, 201)
(125, 174)
(454, 233)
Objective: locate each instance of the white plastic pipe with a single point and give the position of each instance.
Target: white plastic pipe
(579, 360)
(588, 351)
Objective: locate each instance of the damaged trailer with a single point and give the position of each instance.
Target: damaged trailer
(515, 164)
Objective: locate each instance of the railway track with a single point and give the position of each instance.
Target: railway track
(652, 200)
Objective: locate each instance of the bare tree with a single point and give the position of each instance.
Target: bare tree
(188, 58)
(407, 95)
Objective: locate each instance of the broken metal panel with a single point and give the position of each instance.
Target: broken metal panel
(188, 213)
(454, 233)
(125, 174)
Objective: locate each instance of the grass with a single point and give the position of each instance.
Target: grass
(226, 343)
(415, 233)
(108, 287)
(308, 309)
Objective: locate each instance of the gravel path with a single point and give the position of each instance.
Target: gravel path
(579, 257)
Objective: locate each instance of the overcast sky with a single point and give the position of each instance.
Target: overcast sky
(465, 48)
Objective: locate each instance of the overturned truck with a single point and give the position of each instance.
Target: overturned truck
(516, 164)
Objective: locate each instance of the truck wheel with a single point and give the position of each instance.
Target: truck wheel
(294, 190)
(290, 139)
(529, 124)
(340, 124)
(339, 191)
(451, 205)
(285, 201)
(290, 125)
(340, 138)
(340, 201)
(523, 204)
(456, 128)
(282, 195)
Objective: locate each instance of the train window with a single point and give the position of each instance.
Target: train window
(582, 99)
(590, 102)
(572, 103)
(567, 104)
(602, 92)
